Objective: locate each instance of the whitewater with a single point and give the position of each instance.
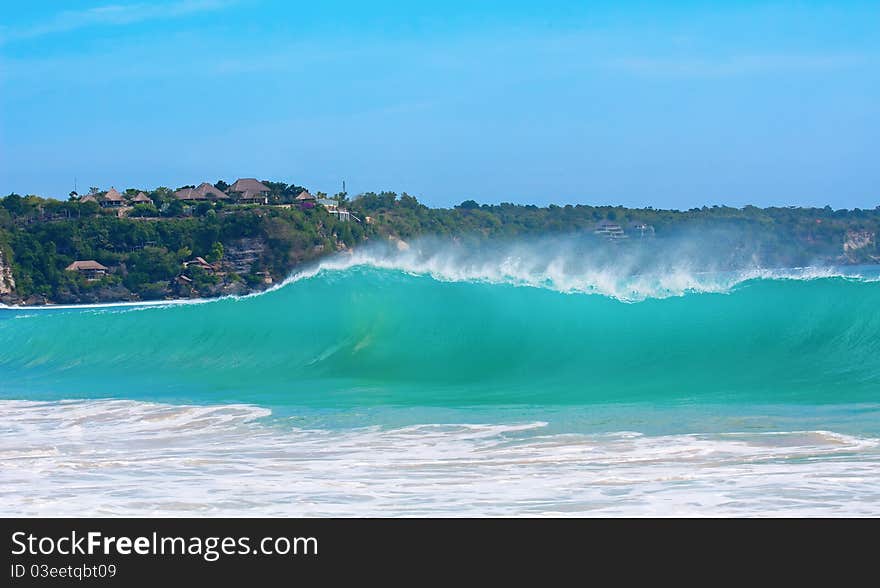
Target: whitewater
(442, 382)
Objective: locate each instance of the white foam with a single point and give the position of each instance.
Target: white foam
(116, 457)
(103, 305)
(562, 270)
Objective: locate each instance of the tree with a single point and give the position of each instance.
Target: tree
(5, 218)
(143, 210)
(468, 205)
(216, 253)
(293, 191)
(202, 208)
(14, 204)
(89, 208)
(175, 208)
(407, 201)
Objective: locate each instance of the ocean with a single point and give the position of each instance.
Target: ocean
(441, 385)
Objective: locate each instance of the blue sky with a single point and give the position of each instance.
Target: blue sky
(667, 104)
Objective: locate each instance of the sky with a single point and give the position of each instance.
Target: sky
(663, 104)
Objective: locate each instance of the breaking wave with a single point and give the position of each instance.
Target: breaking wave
(564, 269)
(453, 328)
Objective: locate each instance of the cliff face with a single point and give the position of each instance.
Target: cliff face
(859, 246)
(7, 283)
(240, 255)
(858, 240)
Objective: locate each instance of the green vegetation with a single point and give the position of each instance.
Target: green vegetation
(146, 248)
(146, 253)
(776, 236)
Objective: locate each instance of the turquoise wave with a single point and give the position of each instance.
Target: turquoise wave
(366, 336)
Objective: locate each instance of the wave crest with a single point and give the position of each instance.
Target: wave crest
(561, 266)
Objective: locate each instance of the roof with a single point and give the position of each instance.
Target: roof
(141, 197)
(327, 202)
(245, 185)
(189, 194)
(209, 191)
(89, 264)
(304, 195)
(197, 261)
(88, 198)
(113, 195)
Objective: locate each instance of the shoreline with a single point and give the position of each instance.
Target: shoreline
(122, 303)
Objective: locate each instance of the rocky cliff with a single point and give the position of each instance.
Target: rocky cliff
(860, 246)
(7, 283)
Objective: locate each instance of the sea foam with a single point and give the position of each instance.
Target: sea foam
(116, 457)
(561, 266)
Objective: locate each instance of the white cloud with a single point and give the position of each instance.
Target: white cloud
(110, 15)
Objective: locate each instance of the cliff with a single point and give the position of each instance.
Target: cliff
(7, 282)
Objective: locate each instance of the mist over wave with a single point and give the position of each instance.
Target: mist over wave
(628, 271)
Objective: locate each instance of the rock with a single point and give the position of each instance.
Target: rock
(234, 289)
(239, 256)
(10, 300)
(400, 244)
(112, 294)
(7, 283)
(35, 300)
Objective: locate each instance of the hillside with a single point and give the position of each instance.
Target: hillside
(159, 244)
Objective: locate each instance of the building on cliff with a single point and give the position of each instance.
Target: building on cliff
(609, 230)
(91, 269)
(250, 191)
(202, 192)
(112, 199)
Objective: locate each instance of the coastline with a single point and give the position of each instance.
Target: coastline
(76, 253)
(304, 271)
(8, 302)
